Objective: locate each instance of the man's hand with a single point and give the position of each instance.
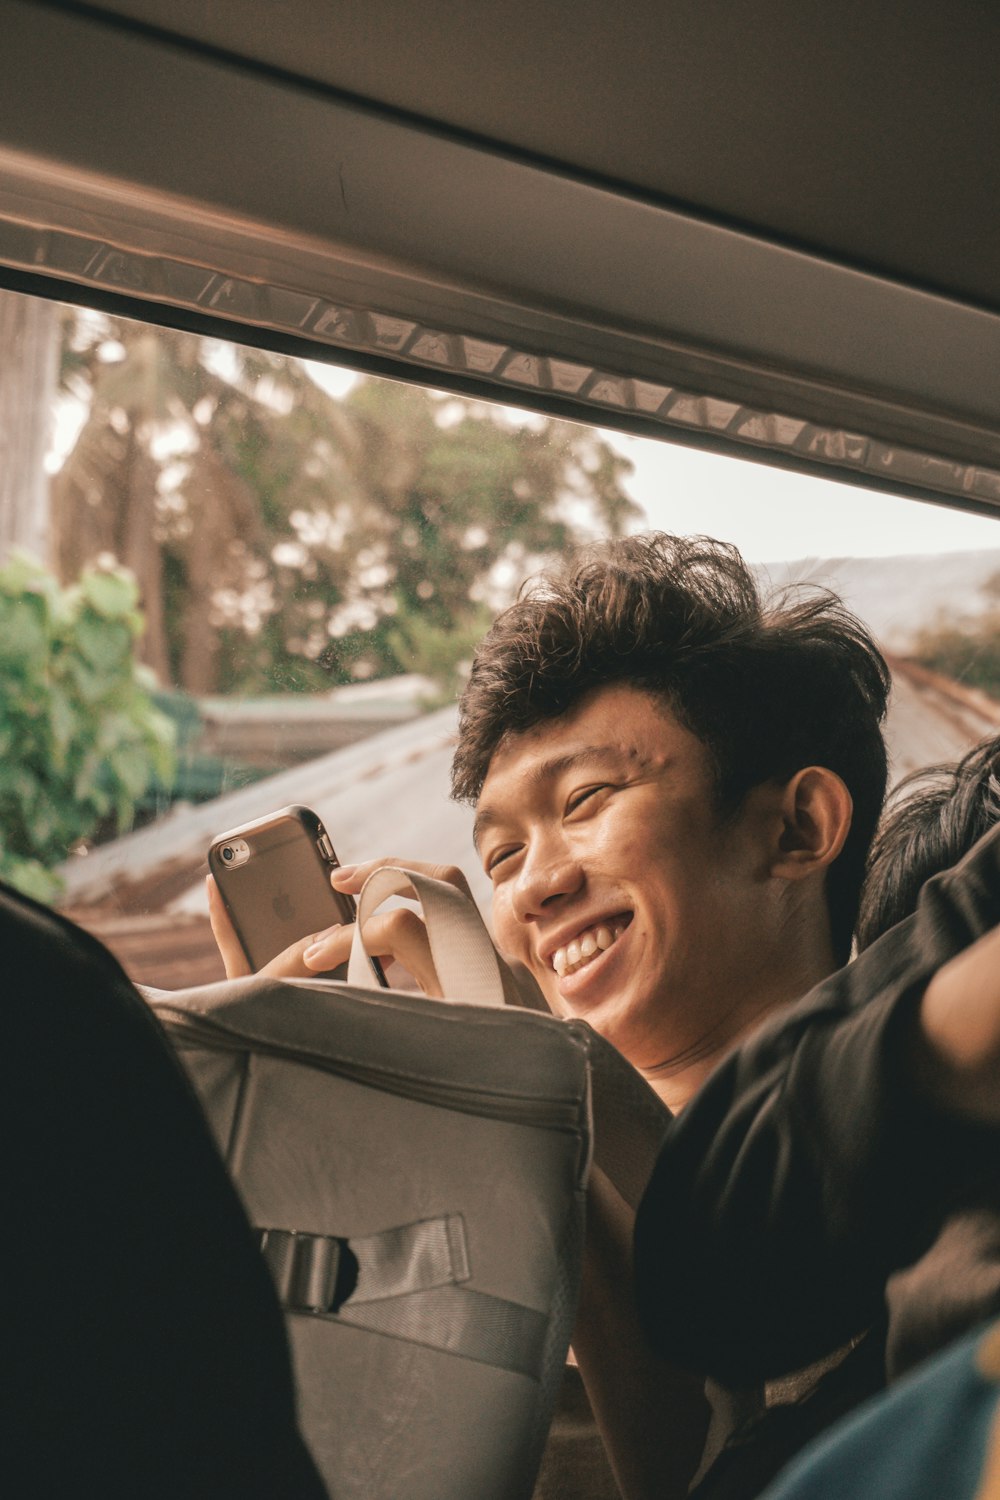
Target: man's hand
(396, 937)
(290, 964)
(403, 937)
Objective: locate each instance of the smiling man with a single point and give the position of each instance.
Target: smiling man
(676, 787)
(676, 784)
(635, 901)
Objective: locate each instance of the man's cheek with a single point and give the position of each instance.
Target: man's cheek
(508, 934)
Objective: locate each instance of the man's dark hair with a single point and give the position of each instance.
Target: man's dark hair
(936, 814)
(767, 686)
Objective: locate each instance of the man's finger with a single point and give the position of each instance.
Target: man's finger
(352, 877)
(400, 935)
(327, 950)
(234, 960)
(393, 936)
(291, 963)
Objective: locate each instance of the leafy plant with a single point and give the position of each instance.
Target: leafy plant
(80, 736)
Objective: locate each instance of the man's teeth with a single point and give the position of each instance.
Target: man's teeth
(582, 949)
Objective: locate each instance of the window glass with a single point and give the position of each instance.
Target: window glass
(232, 580)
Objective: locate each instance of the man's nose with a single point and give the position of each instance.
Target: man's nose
(545, 877)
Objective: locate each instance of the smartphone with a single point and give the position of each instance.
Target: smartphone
(274, 878)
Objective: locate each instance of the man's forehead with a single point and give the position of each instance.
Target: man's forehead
(545, 761)
(580, 742)
(619, 721)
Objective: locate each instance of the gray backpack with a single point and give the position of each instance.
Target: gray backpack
(416, 1172)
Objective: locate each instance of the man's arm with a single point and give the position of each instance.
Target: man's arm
(956, 1042)
(652, 1417)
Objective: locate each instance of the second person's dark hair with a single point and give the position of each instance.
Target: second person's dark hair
(936, 815)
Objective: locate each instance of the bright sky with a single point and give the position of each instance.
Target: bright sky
(772, 515)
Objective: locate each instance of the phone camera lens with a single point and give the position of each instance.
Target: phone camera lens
(227, 853)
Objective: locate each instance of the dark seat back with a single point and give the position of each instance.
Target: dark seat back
(145, 1352)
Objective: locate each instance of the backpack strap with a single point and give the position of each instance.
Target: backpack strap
(318, 1273)
(405, 1283)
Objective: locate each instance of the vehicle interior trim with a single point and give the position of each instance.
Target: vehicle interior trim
(284, 211)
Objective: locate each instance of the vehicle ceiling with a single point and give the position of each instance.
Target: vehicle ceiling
(804, 201)
(862, 131)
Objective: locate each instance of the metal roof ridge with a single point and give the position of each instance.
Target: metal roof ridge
(186, 832)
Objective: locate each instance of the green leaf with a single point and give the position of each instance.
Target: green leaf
(24, 637)
(63, 720)
(112, 593)
(30, 877)
(23, 574)
(90, 685)
(130, 768)
(105, 643)
(87, 781)
(18, 784)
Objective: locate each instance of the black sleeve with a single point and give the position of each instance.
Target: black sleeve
(144, 1349)
(807, 1168)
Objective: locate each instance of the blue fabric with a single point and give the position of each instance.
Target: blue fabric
(925, 1439)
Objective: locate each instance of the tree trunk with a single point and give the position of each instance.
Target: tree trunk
(139, 550)
(28, 358)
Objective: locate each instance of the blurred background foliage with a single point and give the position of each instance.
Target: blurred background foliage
(966, 649)
(284, 539)
(81, 738)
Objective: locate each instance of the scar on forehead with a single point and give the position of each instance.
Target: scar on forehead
(646, 759)
(595, 755)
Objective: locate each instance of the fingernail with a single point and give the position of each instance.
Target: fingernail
(342, 872)
(320, 943)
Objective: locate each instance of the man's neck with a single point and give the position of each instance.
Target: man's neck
(681, 1075)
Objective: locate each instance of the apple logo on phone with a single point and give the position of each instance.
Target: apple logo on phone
(283, 908)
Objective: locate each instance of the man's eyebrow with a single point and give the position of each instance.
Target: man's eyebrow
(548, 770)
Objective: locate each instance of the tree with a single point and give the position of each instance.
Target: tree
(284, 539)
(28, 347)
(453, 505)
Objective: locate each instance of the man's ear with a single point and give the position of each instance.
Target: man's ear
(816, 812)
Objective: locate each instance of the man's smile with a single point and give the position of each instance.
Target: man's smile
(596, 938)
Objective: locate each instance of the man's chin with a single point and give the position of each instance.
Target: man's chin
(557, 1005)
(606, 1014)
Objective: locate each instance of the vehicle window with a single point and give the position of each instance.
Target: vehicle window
(232, 580)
